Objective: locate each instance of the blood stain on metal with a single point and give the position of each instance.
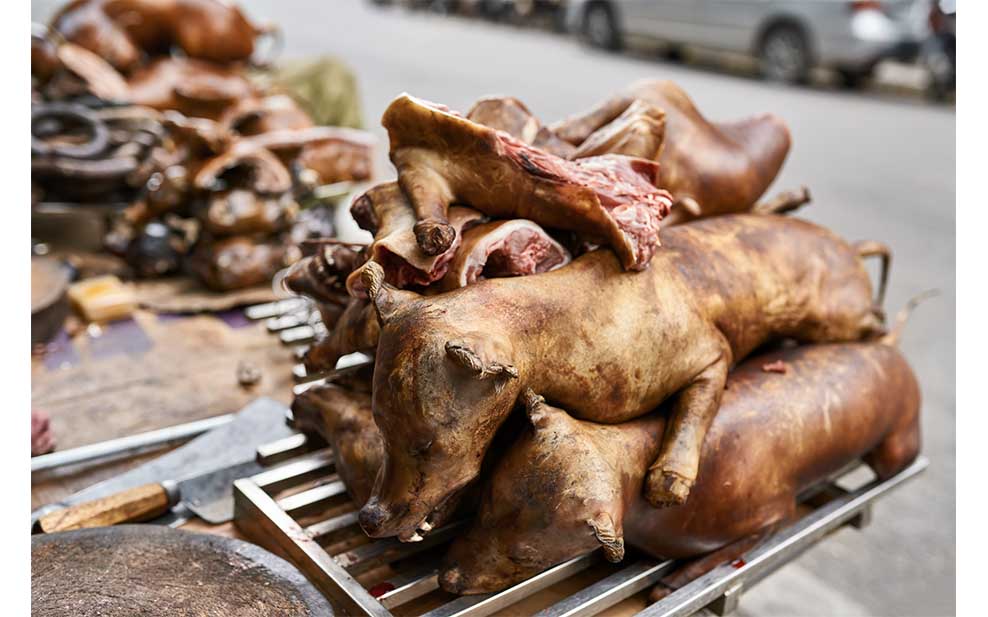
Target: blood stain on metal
(380, 589)
(738, 563)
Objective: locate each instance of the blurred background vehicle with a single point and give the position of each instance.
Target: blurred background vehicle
(937, 55)
(788, 37)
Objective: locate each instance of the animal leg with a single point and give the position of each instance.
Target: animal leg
(671, 476)
(696, 568)
(576, 129)
(896, 451)
(430, 195)
(784, 202)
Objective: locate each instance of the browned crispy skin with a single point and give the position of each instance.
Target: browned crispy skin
(238, 212)
(253, 116)
(444, 158)
(343, 418)
(510, 115)
(193, 87)
(335, 154)
(386, 212)
(710, 168)
(356, 329)
(238, 261)
(638, 131)
(605, 344)
(322, 275)
(341, 414)
(124, 31)
(567, 487)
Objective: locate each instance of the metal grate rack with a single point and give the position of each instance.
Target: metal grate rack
(300, 509)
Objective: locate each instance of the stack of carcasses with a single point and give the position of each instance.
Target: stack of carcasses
(152, 104)
(594, 333)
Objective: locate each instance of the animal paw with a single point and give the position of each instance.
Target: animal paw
(666, 488)
(434, 237)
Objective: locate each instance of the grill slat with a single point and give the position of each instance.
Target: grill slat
(307, 499)
(410, 585)
(611, 590)
(295, 472)
(365, 557)
(273, 309)
(478, 606)
(268, 521)
(337, 523)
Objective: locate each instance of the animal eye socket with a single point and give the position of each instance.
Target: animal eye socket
(420, 448)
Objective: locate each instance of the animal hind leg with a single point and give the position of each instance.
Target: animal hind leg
(671, 476)
(896, 451)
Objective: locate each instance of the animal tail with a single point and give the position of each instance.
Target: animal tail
(872, 248)
(895, 332)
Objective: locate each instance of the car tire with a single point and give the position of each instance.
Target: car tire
(784, 55)
(853, 79)
(600, 26)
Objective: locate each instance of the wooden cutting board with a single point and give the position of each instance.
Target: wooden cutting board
(152, 570)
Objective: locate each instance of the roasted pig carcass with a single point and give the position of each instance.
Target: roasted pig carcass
(238, 261)
(386, 212)
(515, 247)
(606, 345)
(568, 486)
(125, 31)
(710, 168)
(444, 158)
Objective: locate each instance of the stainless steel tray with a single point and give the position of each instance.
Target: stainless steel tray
(300, 510)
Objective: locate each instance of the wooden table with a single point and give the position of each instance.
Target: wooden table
(147, 373)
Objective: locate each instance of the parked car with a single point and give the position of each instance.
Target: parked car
(788, 37)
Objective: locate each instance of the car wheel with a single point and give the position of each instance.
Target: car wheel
(600, 27)
(784, 55)
(853, 79)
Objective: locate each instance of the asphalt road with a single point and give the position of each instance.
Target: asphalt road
(879, 166)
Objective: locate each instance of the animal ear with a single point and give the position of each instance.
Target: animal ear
(386, 298)
(536, 409)
(610, 537)
(469, 359)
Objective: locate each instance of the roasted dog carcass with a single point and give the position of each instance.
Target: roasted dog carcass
(123, 32)
(568, 486)
(606, 346)
(442, 158)
(342, 416)
(710, 168)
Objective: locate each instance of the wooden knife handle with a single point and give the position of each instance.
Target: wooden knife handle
(136, 504)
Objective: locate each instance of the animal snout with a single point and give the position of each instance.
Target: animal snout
(451, 580)
(372, 517)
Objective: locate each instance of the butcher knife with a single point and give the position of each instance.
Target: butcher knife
(197, 478)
